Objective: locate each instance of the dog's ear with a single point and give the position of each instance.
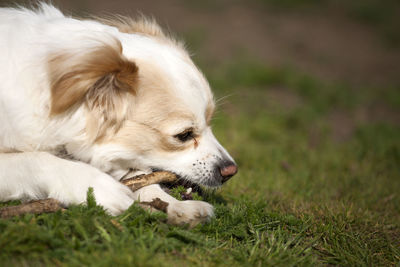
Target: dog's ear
(98, 75)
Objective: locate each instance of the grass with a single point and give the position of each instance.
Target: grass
(301, 198)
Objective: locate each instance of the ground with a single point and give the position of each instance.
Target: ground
(308, 99)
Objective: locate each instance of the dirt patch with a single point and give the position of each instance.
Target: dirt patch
(343, 123)
(377, 112)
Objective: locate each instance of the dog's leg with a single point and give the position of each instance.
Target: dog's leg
(37, 175)
(189, 212)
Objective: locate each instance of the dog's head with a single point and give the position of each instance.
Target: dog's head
(146, 105)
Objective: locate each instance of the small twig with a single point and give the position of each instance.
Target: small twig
(138, 182)
(156, 203)
(34, 206)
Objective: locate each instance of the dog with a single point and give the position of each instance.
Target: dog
(83, 102)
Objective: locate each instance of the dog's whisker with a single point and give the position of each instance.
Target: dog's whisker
(224, 97)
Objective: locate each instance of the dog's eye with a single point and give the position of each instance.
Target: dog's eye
(185, 135)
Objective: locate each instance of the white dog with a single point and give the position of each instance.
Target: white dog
(83, 102)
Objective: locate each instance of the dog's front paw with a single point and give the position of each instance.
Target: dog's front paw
(189, 212)
(74, 180)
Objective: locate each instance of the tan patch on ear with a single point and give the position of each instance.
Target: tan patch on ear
(74, 73)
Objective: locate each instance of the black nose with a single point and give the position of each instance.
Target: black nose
(227, 170)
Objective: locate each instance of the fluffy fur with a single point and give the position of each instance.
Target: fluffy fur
(114, 95)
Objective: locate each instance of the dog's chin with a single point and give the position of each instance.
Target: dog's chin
(200, 182)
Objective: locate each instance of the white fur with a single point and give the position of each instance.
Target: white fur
(30, 139)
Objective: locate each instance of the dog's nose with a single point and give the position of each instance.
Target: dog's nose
(227, 171)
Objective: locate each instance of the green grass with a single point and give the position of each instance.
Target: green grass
(300, 198)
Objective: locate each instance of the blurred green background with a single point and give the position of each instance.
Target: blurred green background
(308, 95)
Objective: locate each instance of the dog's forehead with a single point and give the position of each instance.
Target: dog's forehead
(193, 88)
(167, 72)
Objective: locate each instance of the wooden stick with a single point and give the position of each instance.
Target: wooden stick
(140, 181)
(34, 206)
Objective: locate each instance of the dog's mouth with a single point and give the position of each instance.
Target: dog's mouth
(188, 185)
(183, 182)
